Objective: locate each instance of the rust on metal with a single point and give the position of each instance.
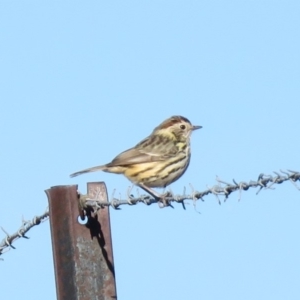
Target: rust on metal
(83, 256)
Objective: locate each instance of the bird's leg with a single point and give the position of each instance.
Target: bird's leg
(156, 195)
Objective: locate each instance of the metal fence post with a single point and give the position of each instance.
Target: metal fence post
(83, 257)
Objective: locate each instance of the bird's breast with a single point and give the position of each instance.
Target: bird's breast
(159, 173)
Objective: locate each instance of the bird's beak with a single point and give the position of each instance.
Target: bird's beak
(195, 127)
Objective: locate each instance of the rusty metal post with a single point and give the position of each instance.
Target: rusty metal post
(83, 257)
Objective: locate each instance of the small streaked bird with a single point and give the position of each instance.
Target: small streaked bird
(156, 161)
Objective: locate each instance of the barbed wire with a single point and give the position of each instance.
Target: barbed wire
(6, 243)
(222, 188)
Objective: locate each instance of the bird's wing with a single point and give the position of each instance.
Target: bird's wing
(144, 152)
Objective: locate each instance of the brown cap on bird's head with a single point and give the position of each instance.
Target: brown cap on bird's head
(176, 120)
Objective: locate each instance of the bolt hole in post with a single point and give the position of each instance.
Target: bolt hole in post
(83, 221)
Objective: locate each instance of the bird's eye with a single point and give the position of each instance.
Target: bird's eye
(182, 127)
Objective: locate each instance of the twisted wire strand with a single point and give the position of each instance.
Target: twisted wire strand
(222, 188)
(9, 239)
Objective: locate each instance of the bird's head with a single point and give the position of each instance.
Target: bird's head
(176, 127)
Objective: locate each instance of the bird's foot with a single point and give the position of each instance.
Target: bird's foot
(163, 201)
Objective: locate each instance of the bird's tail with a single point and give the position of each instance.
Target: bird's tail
(94, 169)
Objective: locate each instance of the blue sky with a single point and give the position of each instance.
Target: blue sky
(83, 81)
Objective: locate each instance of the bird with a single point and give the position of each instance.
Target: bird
(156, 161)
